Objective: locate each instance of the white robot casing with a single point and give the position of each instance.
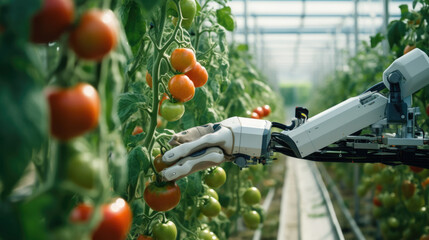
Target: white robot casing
(251, 136)
(414, 69)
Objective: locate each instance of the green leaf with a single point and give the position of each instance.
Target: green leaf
(375, 40)
(138, 160)
(243, 47)
(195, 185)
(404, 10)
(20, 14)
(183, 185)
(31, 214)
(188, 120)
(134, 24)
(24, 124)
(10, 227)
(415, 3)
(129, 104)
(225, 18)
(395, 32)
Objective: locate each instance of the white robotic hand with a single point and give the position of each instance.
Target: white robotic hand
(198, 148)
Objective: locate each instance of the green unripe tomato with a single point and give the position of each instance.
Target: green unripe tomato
(188, 7)
(186, 23)
(164, 231)
(211, 207)
(215, 178)
(82, 170)
(156, 152)
(252, 196)
(207, 235)
(172, 111)
(212, 193)
(251, 219)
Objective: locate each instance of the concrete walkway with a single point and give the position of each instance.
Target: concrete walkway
(306, 211)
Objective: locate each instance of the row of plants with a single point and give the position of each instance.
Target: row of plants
(91, 92)
(398, 194)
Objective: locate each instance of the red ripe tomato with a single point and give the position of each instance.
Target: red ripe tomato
(376, 201)
(73, 111)
(162, 196)
(255, 115)
(427, 109)
(149, 79)
(81, 213)
(425, 182)
(408, 49)
(198, 75)
(96, 35)
(137, 130)
(259, 111)
(164, 97)
(143, 237)
(159, 164)
(183, 59)
(424, 237)
(51, 21)
(267, 110)
(181, 88)
(416, 169)
(116, 222)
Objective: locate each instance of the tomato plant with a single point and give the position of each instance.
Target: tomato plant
(252, 196)
(162, 196)
(164, 231)
(96, 34)
(52, 20)
(101, 107)
(183, 59)
(216, 177)
(181, 88)
(73, 111)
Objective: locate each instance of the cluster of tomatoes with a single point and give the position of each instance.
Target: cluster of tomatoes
(397, 192)
(182, 85)
(93, 37)
(260, 112)
(165, 196)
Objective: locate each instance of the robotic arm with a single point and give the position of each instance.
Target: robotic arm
(329, 136)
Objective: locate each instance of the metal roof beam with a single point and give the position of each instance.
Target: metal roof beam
(404, 1)
(329, 30)
(312, 15)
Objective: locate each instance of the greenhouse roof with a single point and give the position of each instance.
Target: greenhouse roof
(295, 39)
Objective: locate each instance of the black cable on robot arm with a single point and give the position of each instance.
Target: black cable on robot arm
(283, 126)
(376, 88)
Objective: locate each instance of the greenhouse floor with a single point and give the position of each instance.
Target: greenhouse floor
(306, 209)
